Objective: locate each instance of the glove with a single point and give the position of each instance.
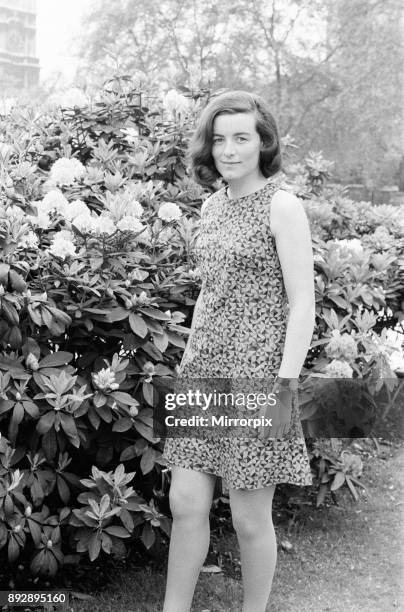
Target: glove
(285, 391)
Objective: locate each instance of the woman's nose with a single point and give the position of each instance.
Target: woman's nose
(228, 148)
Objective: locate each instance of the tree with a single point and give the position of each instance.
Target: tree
(329, 68)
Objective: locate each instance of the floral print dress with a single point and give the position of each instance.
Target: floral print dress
(239, 331)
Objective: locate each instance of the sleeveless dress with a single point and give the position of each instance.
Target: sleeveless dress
(239, 332)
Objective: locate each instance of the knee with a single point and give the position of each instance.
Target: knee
(247, 526)
(186, 504)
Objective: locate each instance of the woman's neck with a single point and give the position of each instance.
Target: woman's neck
(243, 187)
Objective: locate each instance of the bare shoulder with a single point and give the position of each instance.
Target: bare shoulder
(286, 210)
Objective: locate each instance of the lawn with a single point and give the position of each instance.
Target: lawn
(347, 557)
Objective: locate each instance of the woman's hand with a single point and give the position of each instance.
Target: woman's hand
(280, 414)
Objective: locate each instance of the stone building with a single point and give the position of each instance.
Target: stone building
(19, 68)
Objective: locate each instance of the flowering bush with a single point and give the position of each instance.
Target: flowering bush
(97, 286)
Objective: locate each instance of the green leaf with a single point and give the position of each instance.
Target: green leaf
(63, 489)
(128, 453)
(49, 444)
(35, 530)
(117, 314)
(127, 520)
(155, 313)
(106, 543)
(45, 422)
(351, 487)
(5, 405)
(148, 536)
(149, 393)
(56, 359)
(175, 339)
(137, 324)
(124, 398)
(94, 546)
(338, 481)
(161, 341)
(117, 531)
(123, 424)
(68, 425)
(13, 549)
(99, 399)
(145, 430)
(148, 459)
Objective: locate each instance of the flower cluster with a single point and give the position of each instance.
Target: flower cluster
(390, 345)
(351, 247)
(381, 239)
(338, 369)
(129, 223)
(342, 346)
(67, 170)
(169, 212)
(63, 245)
(123, 204)
(175, 103)
(105, 380)
(29, 241)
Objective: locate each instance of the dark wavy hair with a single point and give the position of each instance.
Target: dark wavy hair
(199, 154)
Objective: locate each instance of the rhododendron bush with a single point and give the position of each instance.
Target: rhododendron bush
(97, 286)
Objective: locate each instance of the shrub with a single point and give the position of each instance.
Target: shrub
(98, 219)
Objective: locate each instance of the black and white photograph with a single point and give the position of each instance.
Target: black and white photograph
(201, 305)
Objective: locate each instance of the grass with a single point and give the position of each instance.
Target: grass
(347, 557)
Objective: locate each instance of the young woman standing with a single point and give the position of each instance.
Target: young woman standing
(254, 318)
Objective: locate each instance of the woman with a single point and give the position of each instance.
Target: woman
(254, 318)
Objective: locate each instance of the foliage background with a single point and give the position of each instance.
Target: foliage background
(97, 286)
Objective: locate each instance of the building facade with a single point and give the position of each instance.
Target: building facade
(19, 66)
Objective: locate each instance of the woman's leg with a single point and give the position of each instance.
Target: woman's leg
(191, 494)
(252, 521)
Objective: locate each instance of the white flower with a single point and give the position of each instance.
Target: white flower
(105, 379)
(48, 185)
(353, 246)
(145, 237)
(141, 300)
(29, 241)
(74, 209)
(342, 346)
(103, 225)
(390, 344)
(14, 213)
(5, 149)
(123, 204)
(66, 170)
(130, 223)
(42, 220)
(169, 212)
(85, 223)
(63, 245)
(176, 103)
(131, 135)
(338, 369)
(53, 201)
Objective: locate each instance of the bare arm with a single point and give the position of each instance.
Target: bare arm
(289, 225)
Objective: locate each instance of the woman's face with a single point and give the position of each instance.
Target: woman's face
(236, 145)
